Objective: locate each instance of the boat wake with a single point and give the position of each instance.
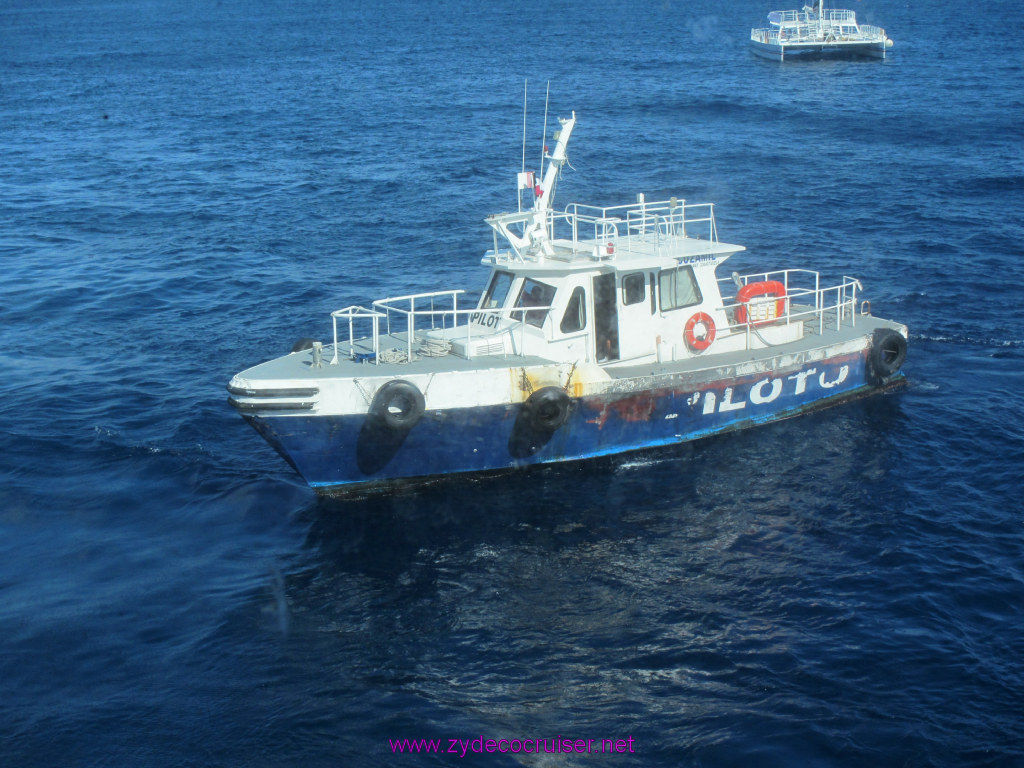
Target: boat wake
(967, 340)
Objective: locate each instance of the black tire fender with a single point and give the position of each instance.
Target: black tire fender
(398, 405)
(887, 354)
(547, 409)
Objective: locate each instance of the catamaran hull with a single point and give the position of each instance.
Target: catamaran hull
(341, 454)
(777, 52)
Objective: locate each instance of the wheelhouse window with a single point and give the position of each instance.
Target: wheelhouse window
(575, 317)
(678, 288)
(534, 294)
(633, 288)
(497, 291)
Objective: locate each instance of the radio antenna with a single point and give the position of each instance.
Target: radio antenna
(519, 186)
(544, 138)
(525, 82)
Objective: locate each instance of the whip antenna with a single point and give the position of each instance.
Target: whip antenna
(544, 138)
(525, 82)
(519, 186)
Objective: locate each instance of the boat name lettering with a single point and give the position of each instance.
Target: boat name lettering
(701, 259)
(486, 319)
(765, 391)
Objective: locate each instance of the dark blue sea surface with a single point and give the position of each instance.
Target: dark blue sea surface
(186, 188)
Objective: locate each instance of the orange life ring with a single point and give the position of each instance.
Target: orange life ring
(764, 288)
(702, 342)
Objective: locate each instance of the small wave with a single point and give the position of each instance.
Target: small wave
(993, 184)
(114, 439)
(963, 339)
(633, 464)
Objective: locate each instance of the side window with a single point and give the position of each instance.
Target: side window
(678, 288)
(575, 317)
(633, 288)
(497, 291)
(534, 294)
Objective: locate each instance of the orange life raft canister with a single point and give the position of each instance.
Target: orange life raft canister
(762, 312)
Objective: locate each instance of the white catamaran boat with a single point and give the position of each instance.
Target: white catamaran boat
(818, 30)
(599, 331)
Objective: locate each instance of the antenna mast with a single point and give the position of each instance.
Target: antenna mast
(519, 187)
(544, 137)
(525, 82)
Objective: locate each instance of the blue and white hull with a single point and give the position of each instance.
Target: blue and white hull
(342, 453)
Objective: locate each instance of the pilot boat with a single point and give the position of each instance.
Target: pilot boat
(816, 31)
(599, 331)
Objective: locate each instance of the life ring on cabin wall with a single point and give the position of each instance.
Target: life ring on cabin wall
(699, 332)
(764, 288)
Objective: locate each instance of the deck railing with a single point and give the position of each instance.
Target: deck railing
(355, 314)
(422, 312)
(801, 27)
(830, 17)
(661, 222)
(871, 31)
(587, 231)
(806, 299)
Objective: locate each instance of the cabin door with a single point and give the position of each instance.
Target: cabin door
(606, 319)
(636, 315)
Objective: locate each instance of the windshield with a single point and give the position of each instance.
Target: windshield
(534, 294)
(497, 291)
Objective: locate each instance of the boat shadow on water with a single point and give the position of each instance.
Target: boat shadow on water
(612, 498)
(599, 539)
(561, 505)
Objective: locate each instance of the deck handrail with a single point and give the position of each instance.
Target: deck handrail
(411, 315)
(839, 300)
(658, 221)
(829, 16)
(834, 25)
(352, 314)
(582, 225)
(383, 308)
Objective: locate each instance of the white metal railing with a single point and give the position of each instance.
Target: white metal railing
(352, 314)
(584, 229)
(802, 27)
(661, 222)
(421, 312)
(830, 17)
(765, 36)
(805, 299)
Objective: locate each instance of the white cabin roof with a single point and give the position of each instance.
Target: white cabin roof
(569, 256)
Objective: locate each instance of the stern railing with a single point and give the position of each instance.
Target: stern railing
(831, 306)
(801, 26)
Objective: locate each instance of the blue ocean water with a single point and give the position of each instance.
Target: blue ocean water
(186, 188)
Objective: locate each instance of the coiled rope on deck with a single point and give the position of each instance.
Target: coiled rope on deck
(435, 348)
(429, 348)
